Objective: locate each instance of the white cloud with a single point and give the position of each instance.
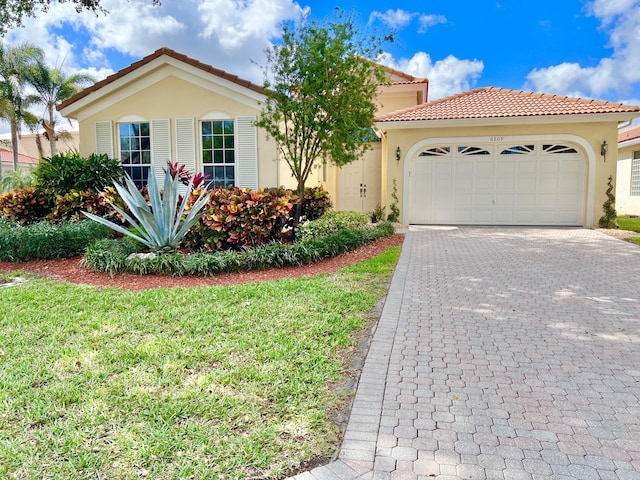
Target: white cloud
(229, 34)
(427, 21)
(234, 23)
(446, 77)
(395, 19)
(611, 76)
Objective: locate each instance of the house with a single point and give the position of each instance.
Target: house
(36, 145)
(487, 156)
(628, 175)
(24, 161)
(493, 156)
(168, 106)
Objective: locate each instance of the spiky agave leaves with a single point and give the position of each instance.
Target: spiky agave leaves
(159, 226)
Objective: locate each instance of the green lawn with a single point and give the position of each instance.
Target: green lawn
(215, 383)
(632, 224)
(627, 223)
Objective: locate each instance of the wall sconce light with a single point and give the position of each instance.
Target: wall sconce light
(604, 148)
(398, 154)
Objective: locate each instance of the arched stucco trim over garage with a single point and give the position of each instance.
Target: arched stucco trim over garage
(583, 144)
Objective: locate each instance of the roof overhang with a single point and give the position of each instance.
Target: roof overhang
(150, 73)
(502, 121)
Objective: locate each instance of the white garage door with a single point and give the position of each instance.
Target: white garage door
(498, 184)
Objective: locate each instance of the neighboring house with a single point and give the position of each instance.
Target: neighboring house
(24, 161)
(32, 144)
(493, 156)
(628, 175)
(489, 156)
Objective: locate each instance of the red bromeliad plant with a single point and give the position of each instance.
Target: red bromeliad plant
(176, 170)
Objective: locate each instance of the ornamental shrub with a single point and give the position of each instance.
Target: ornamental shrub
(62, 173)
(44, 240)
(235, 218)
(25, 205)
(332, 222)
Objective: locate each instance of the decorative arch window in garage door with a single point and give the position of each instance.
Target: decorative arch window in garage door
(528, 183)
(518, 150)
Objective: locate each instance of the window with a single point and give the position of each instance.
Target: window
(518, 150)
(558, 149)
(635, 174)
(435, 152)
(135, 151)
(218, 151)
(464, 150)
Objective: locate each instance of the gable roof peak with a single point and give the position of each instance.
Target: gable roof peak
(162, 51)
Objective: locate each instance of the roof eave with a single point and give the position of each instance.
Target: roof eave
(500, 121)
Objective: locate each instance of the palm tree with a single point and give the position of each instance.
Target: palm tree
(53, 87)
(15, 63)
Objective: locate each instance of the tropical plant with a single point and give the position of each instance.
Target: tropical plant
(320, 89)
(16, 179)
(62, 173)
(159, 226)
(15, 62)
(53, 87)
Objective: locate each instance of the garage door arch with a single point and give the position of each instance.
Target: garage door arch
(470, 180)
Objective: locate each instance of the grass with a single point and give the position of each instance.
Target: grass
(625, 222)
(217, 383)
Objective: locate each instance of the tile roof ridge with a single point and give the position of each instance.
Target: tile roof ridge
(149, 58)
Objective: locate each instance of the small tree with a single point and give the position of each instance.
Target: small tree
(609, 219)
(321, 89)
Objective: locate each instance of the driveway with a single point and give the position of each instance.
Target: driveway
(501, 353)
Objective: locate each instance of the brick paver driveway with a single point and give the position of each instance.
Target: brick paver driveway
(502, 353)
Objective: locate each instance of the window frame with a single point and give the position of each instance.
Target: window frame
(634, 181)
(228, 146)
(144, 168)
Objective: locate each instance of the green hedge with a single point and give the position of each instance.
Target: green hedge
(331, 222)
(115, 256)
(44, 240)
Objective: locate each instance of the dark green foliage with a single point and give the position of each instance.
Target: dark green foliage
(71, 205)
(62, 173)
(394, 215)
(331, 222)
(25, 205)
(115, 256)
(46, 241)
(608, 220)
(236, 218)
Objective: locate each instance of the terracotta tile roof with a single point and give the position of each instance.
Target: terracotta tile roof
(629, 134)
(6, 156)
(406, 78)
(494, 102)
(158, 53)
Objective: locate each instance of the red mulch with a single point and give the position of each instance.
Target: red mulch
(70, 270)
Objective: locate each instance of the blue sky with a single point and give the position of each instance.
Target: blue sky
(584, 48)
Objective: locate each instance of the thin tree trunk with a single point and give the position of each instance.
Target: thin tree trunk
(14, 144)
(52, 124)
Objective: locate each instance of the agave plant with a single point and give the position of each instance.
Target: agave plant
(159, 226)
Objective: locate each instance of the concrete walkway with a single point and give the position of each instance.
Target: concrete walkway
(501, 353)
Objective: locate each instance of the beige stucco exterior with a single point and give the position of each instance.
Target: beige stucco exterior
(586, 136)
(166, 88)
(626, 204)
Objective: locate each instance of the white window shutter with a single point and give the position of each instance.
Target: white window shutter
(247, 153)
(186, 143)
(160, 147)
(104, 138)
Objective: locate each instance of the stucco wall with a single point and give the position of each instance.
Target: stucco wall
(625, 203)
(173, 97)
(590, 135)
